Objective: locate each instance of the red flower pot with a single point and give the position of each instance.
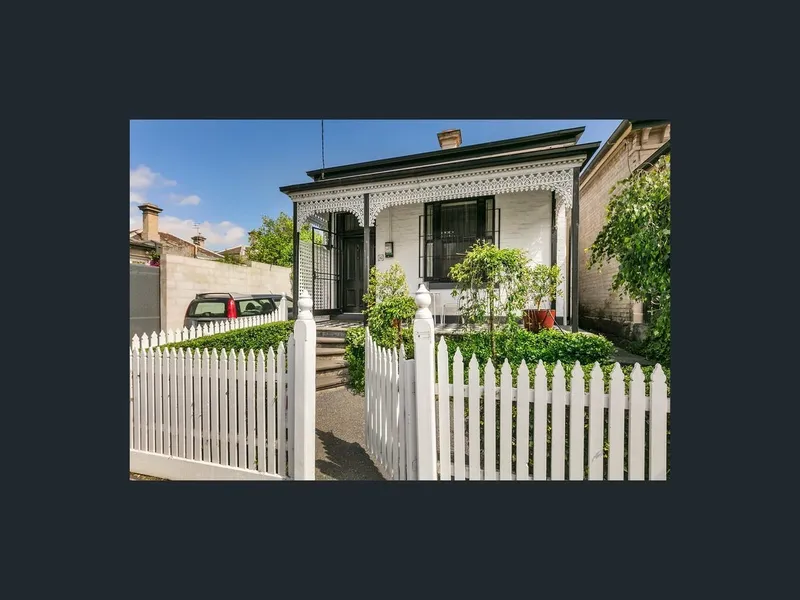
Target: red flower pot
(533, 320)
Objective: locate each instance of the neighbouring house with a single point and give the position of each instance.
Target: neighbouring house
(148, 239)
(634, 145)
(238, 251)
(424, 211)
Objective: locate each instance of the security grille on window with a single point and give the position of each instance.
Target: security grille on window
(447, 230)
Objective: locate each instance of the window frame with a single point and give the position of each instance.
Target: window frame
(436, 233)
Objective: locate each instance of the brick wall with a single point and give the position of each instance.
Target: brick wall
(182, 278)
(599, 307)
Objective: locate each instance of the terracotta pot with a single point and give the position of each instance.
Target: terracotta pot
(533, 320)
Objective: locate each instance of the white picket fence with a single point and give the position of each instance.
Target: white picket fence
(225, 415)
(390, 422)
(213, 328)
(426, 425)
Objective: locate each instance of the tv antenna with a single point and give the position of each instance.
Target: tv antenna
(322, 125)
(197, 228)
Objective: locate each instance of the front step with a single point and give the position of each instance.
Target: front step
(331, 333)
(331, 380)
(330, 351)
(331, 368)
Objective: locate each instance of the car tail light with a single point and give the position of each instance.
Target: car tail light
(231, 309)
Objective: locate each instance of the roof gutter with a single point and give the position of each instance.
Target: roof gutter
(620, 133)
(584, 151)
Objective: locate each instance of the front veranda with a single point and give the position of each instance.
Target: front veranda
(355, 227)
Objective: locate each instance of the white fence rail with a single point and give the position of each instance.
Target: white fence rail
(422, 424)
(226, 415)
(213, 328)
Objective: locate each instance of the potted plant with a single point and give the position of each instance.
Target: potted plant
(155, 259)
(542, 284)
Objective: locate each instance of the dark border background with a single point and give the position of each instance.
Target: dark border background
(370, 538)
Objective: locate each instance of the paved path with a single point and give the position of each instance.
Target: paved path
(340, 438)
(624, 357)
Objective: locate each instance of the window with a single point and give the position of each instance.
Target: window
(449, 229)
(208, 308)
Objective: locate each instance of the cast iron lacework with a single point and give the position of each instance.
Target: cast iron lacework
(558, 181)
(352, 204)
(488, 182)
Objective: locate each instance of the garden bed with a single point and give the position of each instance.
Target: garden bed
(548, 346)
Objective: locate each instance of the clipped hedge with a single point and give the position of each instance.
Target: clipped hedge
(547, 346)
(259, 337)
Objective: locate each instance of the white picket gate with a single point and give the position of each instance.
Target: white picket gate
(388, 410)
(213, 328)
(449, 428)
(225, 415)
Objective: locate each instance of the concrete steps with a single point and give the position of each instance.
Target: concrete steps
(331, 366)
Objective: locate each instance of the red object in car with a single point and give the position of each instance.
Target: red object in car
(231, 314)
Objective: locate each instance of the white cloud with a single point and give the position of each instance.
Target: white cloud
(194, 199)
(218, 235)
(143, 178)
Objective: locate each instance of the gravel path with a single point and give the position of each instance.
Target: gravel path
(341, 455)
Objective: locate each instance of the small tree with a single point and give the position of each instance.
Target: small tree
(637, 234)
(491, 282)
(273, 242)
(542, 283)
(388, 305)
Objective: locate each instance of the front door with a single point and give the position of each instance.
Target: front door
(353, 274)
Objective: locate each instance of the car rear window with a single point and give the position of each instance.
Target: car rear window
(260, 306)
(207, 308)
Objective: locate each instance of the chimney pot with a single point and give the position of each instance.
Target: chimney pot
(198, 240)
(450, 138)
(150, 221)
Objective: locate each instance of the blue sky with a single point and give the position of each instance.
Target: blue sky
(225, 174)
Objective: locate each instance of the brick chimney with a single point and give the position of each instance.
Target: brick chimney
(199, 240)
(449, 139)
(150, 222)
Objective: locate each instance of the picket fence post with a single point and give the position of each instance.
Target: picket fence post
(282, 310)
(424, 365)
(305, 358)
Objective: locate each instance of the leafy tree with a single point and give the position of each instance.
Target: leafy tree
(637, 234)
(273, 242)
(389, 306)
(232, 259)
(491, 282)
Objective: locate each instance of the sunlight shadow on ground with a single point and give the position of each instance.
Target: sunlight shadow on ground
(345, 460)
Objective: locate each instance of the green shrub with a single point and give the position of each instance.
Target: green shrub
(354, 354)
(388, 304)
(588, 349)
(549, 367)
(260, 337)
(547, 345)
